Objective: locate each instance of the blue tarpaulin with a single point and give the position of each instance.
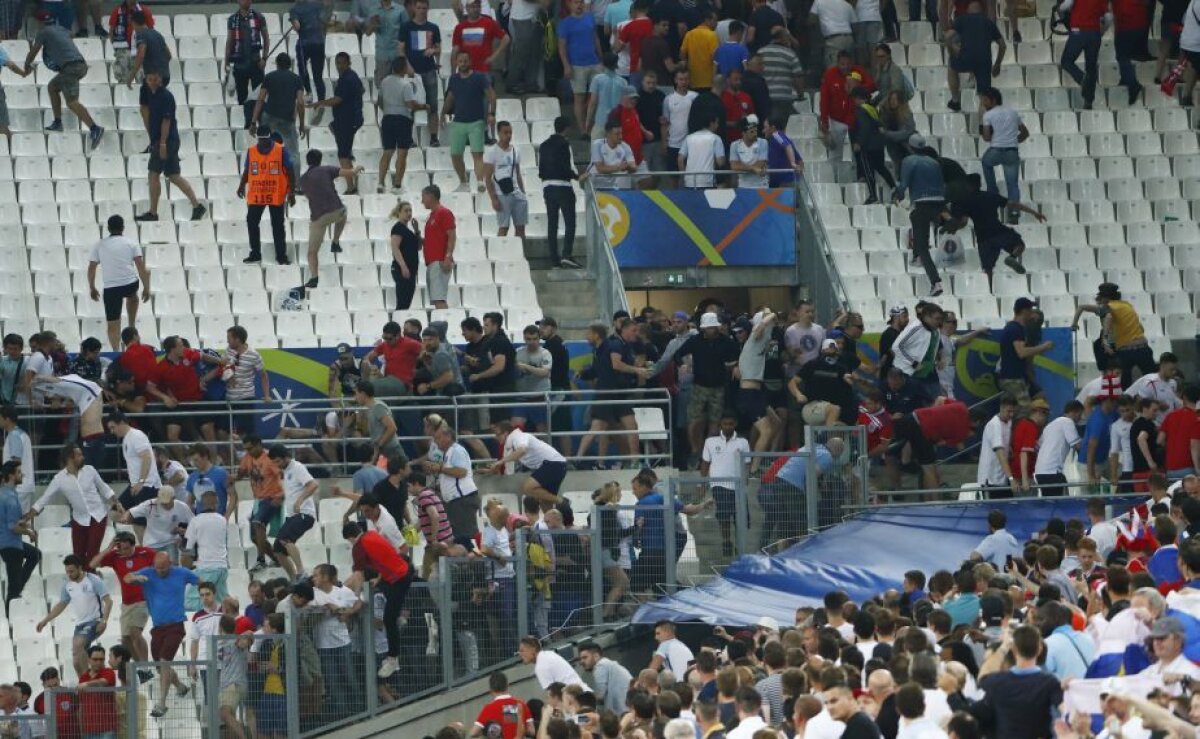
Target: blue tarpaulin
(863, 556)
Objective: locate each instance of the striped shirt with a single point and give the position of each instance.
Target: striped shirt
(771, 690)
(426, 499)
(245, 364)
(780, 67)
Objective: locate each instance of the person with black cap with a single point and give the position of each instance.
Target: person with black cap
(1015, 353)
(344, 373)
(991, 236)
(1123, 333)
(267, 183)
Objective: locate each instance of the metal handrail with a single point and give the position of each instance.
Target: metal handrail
(802, 188)
(602, 263)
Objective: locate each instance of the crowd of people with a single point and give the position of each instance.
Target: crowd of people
(1078, 632)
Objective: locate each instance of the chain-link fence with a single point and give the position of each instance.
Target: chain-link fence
(169, 699)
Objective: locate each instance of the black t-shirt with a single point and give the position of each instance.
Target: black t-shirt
(706, 108)
(860, 726)
(649, 110)
(281, 86)
(348, 377)
(349, 89)
(823, 380)
(410, 245)
(393, 498)
(560, 370)
(1018, 705)
(1173, 11)
(506, 381)
(709, 366)
(608, 378)
(479, 350)
(888, 719)
(886, 358)
(903, 401)
(977, 32)
(161, 107)
(1140, 463)
(762, 20)
(158, 57)
(983, 208)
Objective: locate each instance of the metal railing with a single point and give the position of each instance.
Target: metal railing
(814, 254)
(602, 264)
(303, 422)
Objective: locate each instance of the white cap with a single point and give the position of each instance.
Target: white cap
(828, 343)
(710, 320)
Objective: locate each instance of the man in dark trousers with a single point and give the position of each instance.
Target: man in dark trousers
(267, 183)
(556, 168)
(370, 551)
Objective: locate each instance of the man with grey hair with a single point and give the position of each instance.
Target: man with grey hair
(679, 728)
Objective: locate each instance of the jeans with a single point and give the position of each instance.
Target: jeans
(19, 565)
(245, 78)
(340, 685)
(394, 594)
(278, 231)
(1126, 45)
(1010, 161)
(931, 13)
(560, 200)
(1088, 44)
(924, 215)
(311, 55)
(525, 55)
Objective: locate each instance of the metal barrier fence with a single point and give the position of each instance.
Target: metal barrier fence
(306, 424)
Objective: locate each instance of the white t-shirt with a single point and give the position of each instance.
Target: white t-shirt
(204, 625)
(132, 446)
(537, 452)
(804, 343)
(160, 522)
(676, 108)
(85, 598)
(499, 541)
(1155, 388)
(17, 445)
(1120, 444)
(722, 456)
(505, 162)
(523, 10)
(996, 435)
(331, 632)
(115, 256)
(676, 656)
(550, 668)
(752, 154)
(1190, 38)
(835, 16)
(295, 478)
(609, 156)
(701, 151)
(208, 535)
(173, 470)
(387, 528)
(867, 11)
(1105, 536)
(453, 488)
(82, 393)
(1059, 436)
(1006, 126)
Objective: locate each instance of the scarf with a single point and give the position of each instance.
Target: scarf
(121, 35)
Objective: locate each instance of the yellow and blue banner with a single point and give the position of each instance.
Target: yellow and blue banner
(700, 228)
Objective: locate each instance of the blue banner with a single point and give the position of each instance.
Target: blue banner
(700, 228)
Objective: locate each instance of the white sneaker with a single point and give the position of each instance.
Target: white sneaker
(388, 668)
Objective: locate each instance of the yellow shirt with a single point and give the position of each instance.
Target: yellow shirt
(700, 45)
(273, 684)
(1126, 327)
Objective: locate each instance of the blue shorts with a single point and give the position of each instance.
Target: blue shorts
(264, 512)
(86, 631)
(272, 714)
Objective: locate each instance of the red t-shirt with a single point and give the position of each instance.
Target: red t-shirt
(631, 130)
(374, 552)
(400, 358)
(1088, 15)
(65, 711)
(476, 38)
(1024, 438)
(142, 558)
(139, 359)
(1180, 427)
(878, 425)
(509, 713)
(633, 34)
(98, 708)
(948, 423)
(437, 234)
(738, 105)
(180, 380)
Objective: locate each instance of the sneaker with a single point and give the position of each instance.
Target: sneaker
(335, 247)
(433, 141)
(100, 32)
(147, 216)
(182, 691)
(158, 711)
(55, 125)
(566, 263)
(95, 135)
(145, 676)
(1014, 263)
(284, 261)
(198, 212)
(388, 668)
(311, 283)
(261, 564)
(936, 290)
(254, 259)
(954, 105)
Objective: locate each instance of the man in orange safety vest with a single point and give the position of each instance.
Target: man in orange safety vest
(267, 183)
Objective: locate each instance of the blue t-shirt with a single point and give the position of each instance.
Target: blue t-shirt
(579, 34)
(216, 480)
(366, 478)
(417, 38)
(730, 56)
(608, 378)
(1098, 425)
(349, 89)
(607, 87)
(10, 513)
(1012, 367)
(470, 96)
(164, 595)
(795, 470)
(650, 510)
(312, 26)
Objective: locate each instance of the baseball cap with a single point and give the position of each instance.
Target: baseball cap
(1023, 304)
(681, 315)
(166, 495)
(1167, 626)
(1108, 290)
(743, 325)
(750, 121)
(991, 610)
(827, 343)
(897, 310)
(345, 350)
(629, 91)
(1040, 404)
(710, 320)
(916, 141)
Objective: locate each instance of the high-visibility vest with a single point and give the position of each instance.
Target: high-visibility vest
(267, 179)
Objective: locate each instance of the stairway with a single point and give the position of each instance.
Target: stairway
(569, 295)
